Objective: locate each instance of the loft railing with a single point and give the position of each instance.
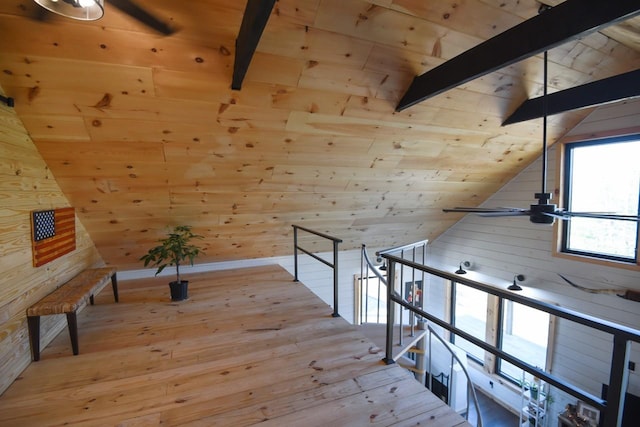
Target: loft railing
(622, 337)
(416, 251)
(413, 251)
(366, 269)
(333, 265)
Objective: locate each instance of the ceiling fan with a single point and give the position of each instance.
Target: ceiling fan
(543, 212)
(89, 10)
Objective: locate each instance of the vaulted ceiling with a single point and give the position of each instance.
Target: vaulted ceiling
(142, 130)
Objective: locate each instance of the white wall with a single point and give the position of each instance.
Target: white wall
(502, 247)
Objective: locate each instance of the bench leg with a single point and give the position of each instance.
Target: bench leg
(73, 331)
(91, 299)
(34, 336)
(114, 285)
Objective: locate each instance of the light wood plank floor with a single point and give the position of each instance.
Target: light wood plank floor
(250, 346)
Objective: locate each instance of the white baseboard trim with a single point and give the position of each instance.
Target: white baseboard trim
(145, 273)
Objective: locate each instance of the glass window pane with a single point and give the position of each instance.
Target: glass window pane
(470, 315)
(525, 334)
(603, 177)
(604, 237)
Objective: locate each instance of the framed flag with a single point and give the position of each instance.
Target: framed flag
(53, 234)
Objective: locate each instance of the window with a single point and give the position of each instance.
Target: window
(524, 332)
(602, 176)
(469, 313)
(371, 300)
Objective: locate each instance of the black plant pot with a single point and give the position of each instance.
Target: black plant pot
(179, 290)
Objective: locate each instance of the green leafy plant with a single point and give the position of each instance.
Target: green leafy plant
(532, 386)
(175, 249)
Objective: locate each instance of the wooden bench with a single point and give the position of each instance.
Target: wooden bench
(67, 299)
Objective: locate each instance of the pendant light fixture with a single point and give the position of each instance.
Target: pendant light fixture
(83, 10)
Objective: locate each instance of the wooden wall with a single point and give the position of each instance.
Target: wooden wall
(142, 131)
(503, 247)
(26, 184)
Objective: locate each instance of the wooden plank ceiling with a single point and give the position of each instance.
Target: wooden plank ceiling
(143, 131)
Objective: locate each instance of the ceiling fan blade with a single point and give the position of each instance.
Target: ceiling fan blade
(479, 210)
(595, 215)
(507, 213)
(490, 211)
(140, 14)
(37, 12)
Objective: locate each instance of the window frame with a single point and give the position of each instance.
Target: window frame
(564, 169)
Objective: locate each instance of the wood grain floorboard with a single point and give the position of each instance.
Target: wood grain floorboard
(249, 346)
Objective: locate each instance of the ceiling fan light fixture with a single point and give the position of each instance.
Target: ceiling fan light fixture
(83, 10)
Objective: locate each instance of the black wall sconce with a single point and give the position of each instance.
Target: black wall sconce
(465, 264)
(383, 267)
(514, 286)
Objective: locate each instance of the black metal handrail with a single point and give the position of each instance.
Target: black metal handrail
(333, 265)
(411, 248)
(622, 337)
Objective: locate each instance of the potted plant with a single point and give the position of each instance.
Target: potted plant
(531, 386)
(175, 249)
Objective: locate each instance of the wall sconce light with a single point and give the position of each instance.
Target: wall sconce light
(383, 267)
(515, 287)
(84, 10)
(465, 264)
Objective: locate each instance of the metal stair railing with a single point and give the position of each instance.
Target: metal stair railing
(419, 371)
(471, 390)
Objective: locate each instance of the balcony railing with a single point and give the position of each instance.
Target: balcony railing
(622, 336)
(335, 241)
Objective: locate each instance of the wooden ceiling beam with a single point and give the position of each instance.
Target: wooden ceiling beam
(567, 21)
(616, 88)
(256, 15)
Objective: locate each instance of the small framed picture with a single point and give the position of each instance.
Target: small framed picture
(413, 293)
(588, 413)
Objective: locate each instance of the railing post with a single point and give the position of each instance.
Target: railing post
(362, 285)
(295, 253)
(335, 280)
(421, 360)
(391, 269)
(618, 380)
(402, 292)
